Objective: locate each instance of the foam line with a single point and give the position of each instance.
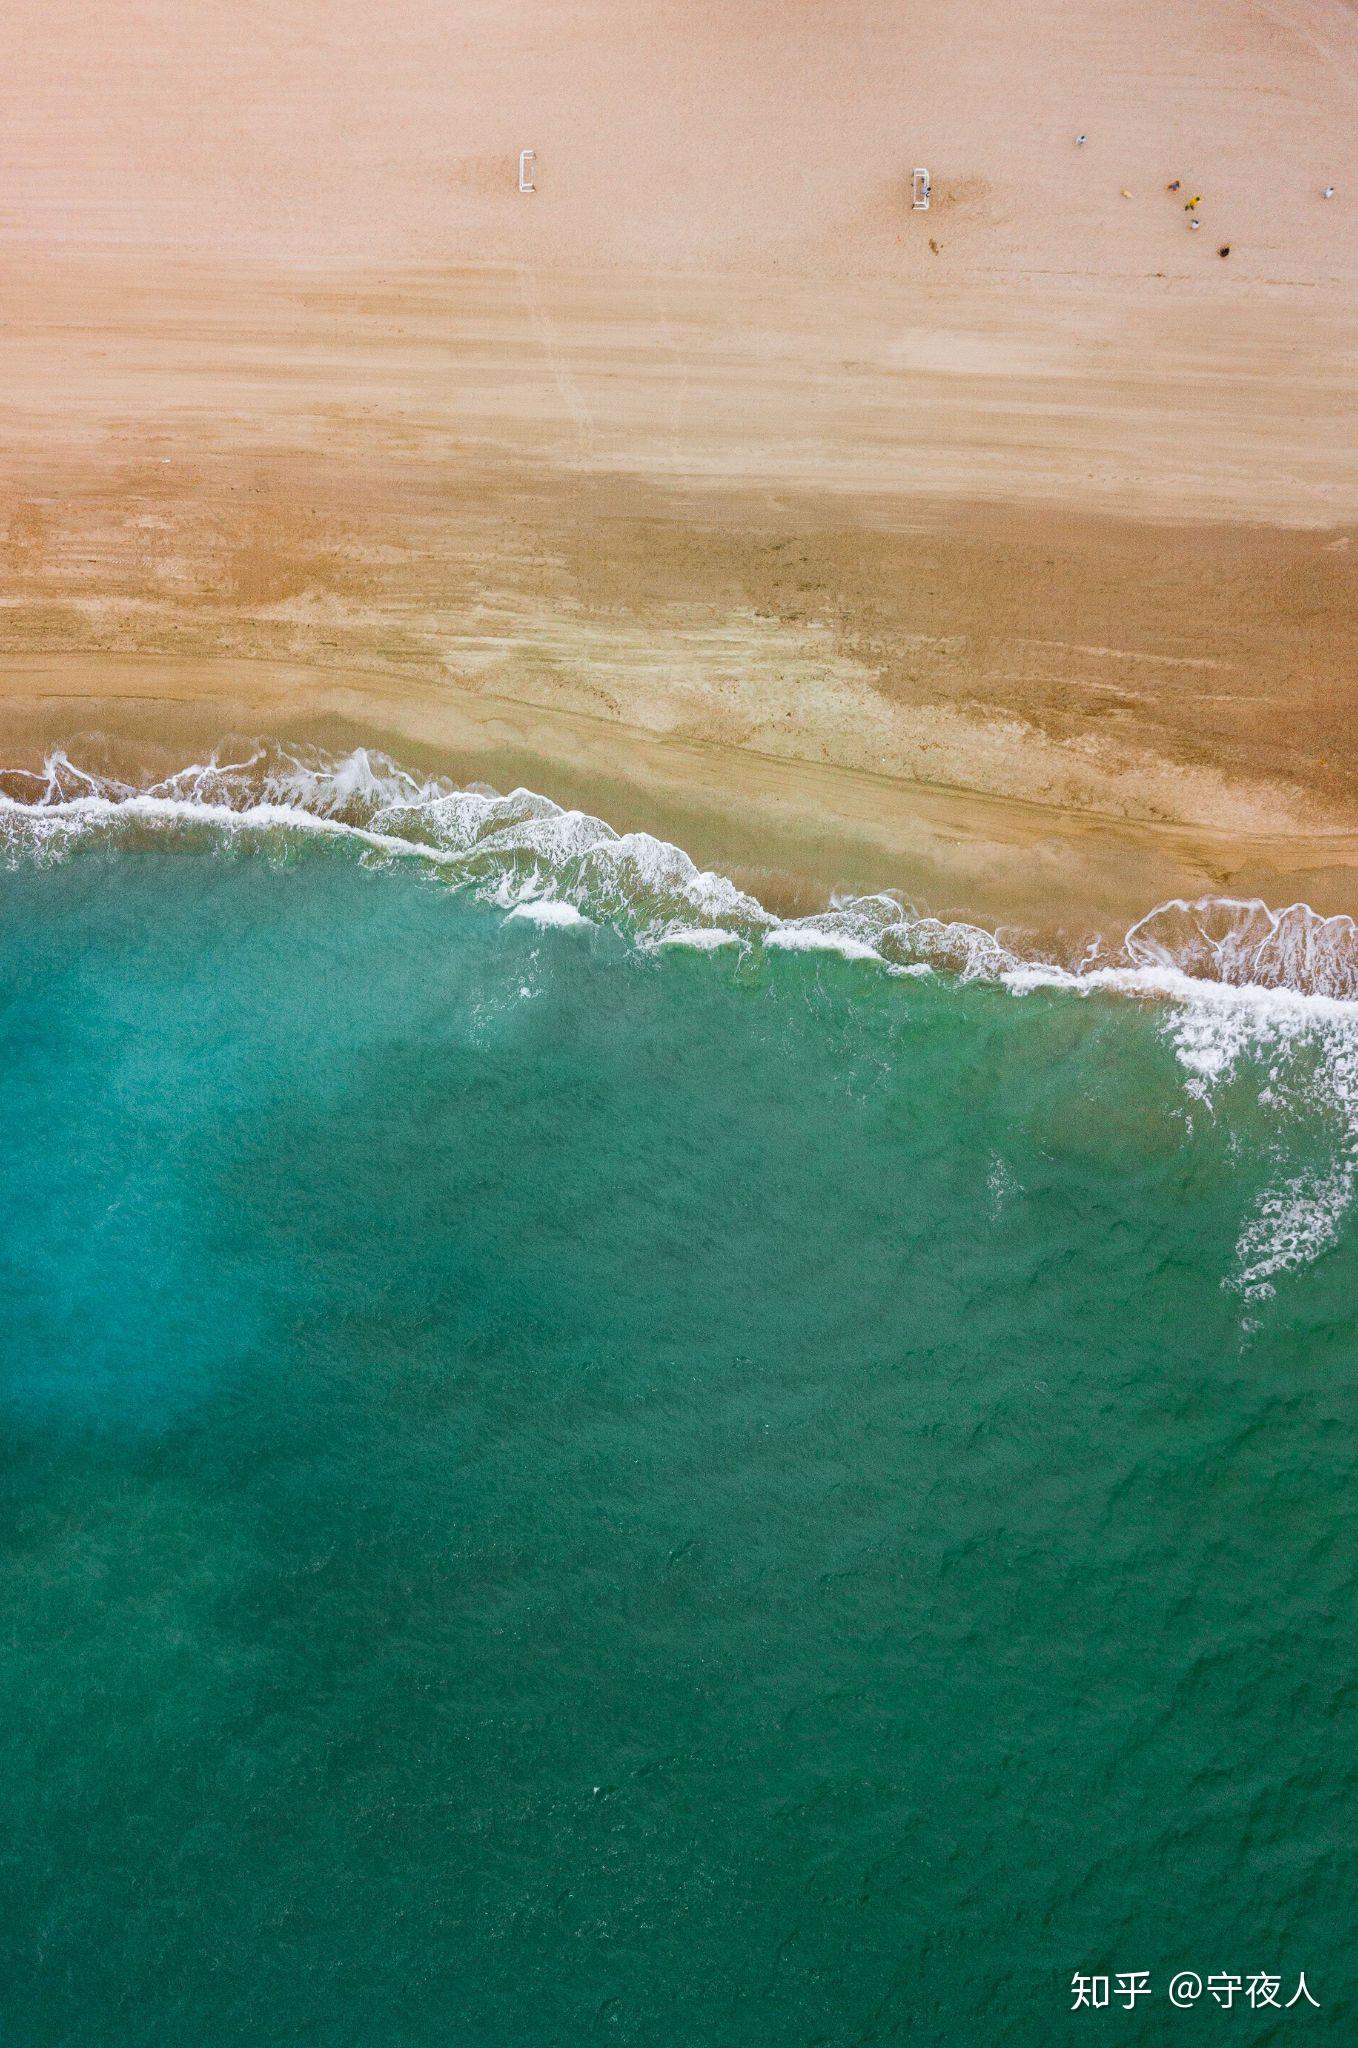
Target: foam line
(1236, 980)
(523, 848)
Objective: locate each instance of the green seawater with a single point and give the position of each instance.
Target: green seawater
(555, 1492)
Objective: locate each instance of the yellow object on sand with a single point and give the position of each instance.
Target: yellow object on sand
(1125, 193)
(1196, 200)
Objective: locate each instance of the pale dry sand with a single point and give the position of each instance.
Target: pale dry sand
(1016, 572)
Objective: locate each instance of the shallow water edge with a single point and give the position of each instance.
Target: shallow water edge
(793, 832)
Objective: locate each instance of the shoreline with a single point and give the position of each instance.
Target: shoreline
(795, 833)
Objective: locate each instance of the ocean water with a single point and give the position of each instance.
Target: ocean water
(583, 1464)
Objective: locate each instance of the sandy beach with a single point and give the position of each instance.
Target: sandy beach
(729, 1422)
(1003, 554)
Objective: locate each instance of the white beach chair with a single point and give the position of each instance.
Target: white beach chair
(919, 191)
(527, 158)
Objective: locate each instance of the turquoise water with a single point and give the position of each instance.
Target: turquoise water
(558, 1489)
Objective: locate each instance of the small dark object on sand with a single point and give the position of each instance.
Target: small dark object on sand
(1175, 186)
(1225, 249)
(935, 246)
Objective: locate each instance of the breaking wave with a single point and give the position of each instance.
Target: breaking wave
(1240, 984)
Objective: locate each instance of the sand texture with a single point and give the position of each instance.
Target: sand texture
(1004, 554)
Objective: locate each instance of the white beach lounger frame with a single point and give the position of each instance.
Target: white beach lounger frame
(919, 191)
(527, 158)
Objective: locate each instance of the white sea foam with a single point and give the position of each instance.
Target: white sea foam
(705, 938)
(548, 910)
(809, 937)
(1291, 1225)
(1236, 981)
(1242, 942)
